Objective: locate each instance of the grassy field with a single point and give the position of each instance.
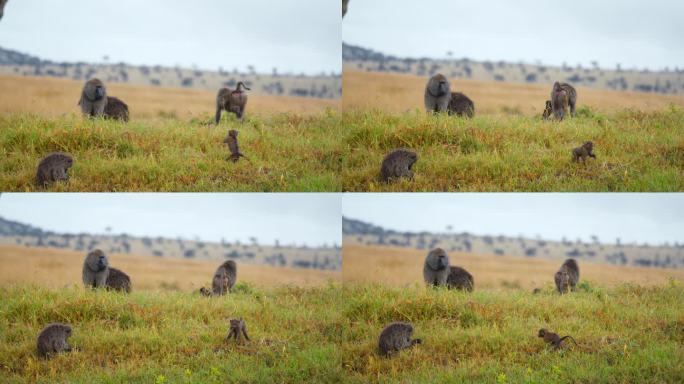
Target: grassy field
(507, 147)
(170, 143)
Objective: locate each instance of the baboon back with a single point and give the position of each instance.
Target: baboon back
(570, 266)
(461, 105)
(118, 280)
(460, 279)
(116, 109)
(395, 337)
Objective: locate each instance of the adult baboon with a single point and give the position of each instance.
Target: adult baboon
(118, 281)
(344, 7)
(567, 276)
(395, 337)
(437, 94)
(233, 146)
(233, 101)
(4, 2)
(548, 110)
(53, 339)
(461, 105)
(581, 153)
(224, 278)
(95, 269)
(116, 109)
(93, 98)
(53, 168)
(397, 164)
(553, 338)
(460, 279)
(238, 328)
(436, 268)
(563, 95)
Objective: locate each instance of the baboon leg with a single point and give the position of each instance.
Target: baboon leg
(244, 331)
(217, 118)
(572, 107)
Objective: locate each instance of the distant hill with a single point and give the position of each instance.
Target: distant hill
(324, 258)
(666, 82)
(325, 86)
(664, 256)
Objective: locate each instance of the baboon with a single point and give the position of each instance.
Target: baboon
(3, 2)
(460, 279)
(563, 95)
(233, 101)
(536, 291)
(548, 110)
(437, 94)
(436, 268)
(53, 339)
(344, 7)
(118, 280)
(204, 292)
(581, 153)
(93, 98)
(553, 338)
(224, 278)
(116, 109)
(567, 276)
(232, 142)
(237, 329)
(53, 168)
(461, 105)
(398, 164)
(395, 337)
(95, 269)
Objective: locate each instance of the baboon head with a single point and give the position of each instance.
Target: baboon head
(438, 86)
(233, 133)
(94, 90)
(97, 261)
(236, 323)
(589, 146)
(542, 332)
(437, 259)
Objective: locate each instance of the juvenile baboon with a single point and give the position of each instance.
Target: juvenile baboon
(553, 338)
(53, 168)
(232, 142)
(118, 280)
(204, 292)
(233, 101)
(116, 109)
(237, 329)
(53, 339)
(398, 164)
(563, 95)
(581, 153)
(224, 278)
(395, 337)
(460, 279)
(437, 94)
(93, 98)
(461, 105)
(95, 269)
(344, 7)
(436, 268)
(548, 110)
(567, 276)
(536, 291)
(3, 2)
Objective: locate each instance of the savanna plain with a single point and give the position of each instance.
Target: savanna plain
(638, 138)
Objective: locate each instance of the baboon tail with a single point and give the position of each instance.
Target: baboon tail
(246, 158)
(243, 86)
(567, 337)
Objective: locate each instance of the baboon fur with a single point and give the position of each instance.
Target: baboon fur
(52, 168)
(461, 105)
(224, 278)
(53, 339)
(567, 276)
(460, 279)
(581, 153)
(118, 280)
(238, 328)
(116, 109)
(395, 337)
(436, 267)
(93, 98)
(437, 94)
(398, 164)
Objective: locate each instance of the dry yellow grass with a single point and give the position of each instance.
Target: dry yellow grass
(398, 93)
(403, 266)
(56, 268)
(53, 97)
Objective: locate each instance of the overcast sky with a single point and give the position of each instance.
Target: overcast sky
(299, 218)
(293, 35)
(631, 32)
(641, 217)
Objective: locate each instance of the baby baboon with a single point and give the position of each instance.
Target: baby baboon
(398, 164)
(460, 279)
(436, 268)
(118, 280)
(548, 110)
(93, 98)
(437, 94)
(563, 95)
(204, 292)
(395, 337)
(52, 168)
(536, 291)
(233, 101)
(461, 105)
(116, 109)
(232, 142)
(567, 276)
(53, 339)
(344, 7)
(3, 2)
(237, 329)
(581, 153)
(553, 338)
(95, 269)
(224, 278)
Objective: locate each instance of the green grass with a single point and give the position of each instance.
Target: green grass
(287, 152)
(636, 151)
(627, 334)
